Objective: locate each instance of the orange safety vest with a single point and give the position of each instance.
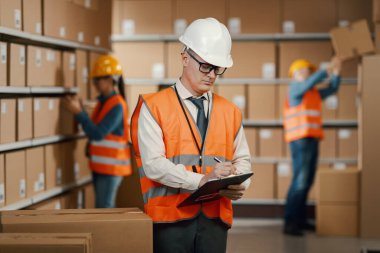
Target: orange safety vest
(160, 201)
(304, 120)
(112, 155)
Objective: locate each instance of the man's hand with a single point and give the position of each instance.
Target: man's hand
(221, 170)
(335, 66)
(72, 103)
(233, 192)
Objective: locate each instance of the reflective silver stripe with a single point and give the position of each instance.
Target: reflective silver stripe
(313, 126)
(109, 161)
(313, 113)
(109, 144)
(188, 160)
(163, 191)
(141, 172)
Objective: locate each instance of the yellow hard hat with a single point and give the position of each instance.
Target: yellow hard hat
(106, 65)
(299, 64)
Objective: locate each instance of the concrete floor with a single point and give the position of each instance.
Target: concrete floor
(265, 236)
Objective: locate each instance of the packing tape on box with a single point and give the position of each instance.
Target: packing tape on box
(20, 106)
(268, 70)
(3, 53)
(234, 25)
(22, 55)
(265, 134)
(62, 32)
(59, 176)
(283, 169)
(38, 58)
(4, 107)
(128, 27)
(180, 26)
(288, 26)
(2, 193)
(332, 102)
(158, 70)
(38, 28)
(344, 134)
(17, 18)
(22, 188)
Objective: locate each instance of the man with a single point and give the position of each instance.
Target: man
(303, 131)
(177, 133)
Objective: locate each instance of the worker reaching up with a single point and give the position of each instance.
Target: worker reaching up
(303, 131)
(107, 130)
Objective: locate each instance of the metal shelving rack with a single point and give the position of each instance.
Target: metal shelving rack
(37, 90)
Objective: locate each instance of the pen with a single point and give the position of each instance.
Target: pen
(217, 160)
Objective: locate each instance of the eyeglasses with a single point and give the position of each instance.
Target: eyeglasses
(206, 68)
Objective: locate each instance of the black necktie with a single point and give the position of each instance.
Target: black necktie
(201, 117)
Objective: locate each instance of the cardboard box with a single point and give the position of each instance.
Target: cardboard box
(150, 65)
(35, 171)
(81, 167)
(15, 176)
(330, 106)
(10, 14)
(53, 75)
(93, 94)
(338, 186)
(270, 142)
(73, 199)
(350, 68)
(57, 16)
(281, 94)
(317, 52)
(40, 115)
(188, 11)
(236, 94)
(377, 38)
(2, 180)
(245, 16)
(348, 143)
(284, 177)
(32, 16)
(369, 154)
(265, 185)
(69, 68)
(262, 102)
(68, 172)
(53, 112)
(36, 66)
(337, 220)
(24, 119)
(109, 227)
(54, 165)
(82, 74)
(353, 41)
(140, 17)
(89, 196)
(50, 204)
(352, 10)
(347, 97)
(252, 139)
(376, 10)
(253, 60)
(3, 63)
(301, 16)
(134, 91)
(174, 61)
(8, 120)
(328, 146)
(67, 124)
(49, 243)
(17, 69)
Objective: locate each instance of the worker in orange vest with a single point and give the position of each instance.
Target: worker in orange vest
(177, 133)
(107, 130)
(303, 131)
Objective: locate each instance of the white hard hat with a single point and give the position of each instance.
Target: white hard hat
(211, 40)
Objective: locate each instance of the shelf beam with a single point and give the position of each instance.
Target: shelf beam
(37, 90)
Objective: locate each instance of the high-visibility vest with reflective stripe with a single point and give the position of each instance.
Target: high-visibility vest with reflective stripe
(161, 201)
(304, 120)
(112, 155)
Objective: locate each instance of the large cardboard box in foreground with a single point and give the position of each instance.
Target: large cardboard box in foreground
(47, 243)
(113, 230)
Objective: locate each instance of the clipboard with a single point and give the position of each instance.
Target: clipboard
(210, 190)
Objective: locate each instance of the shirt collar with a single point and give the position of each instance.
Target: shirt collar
(184, 93)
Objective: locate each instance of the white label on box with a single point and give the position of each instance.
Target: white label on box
(324, 65)
(340, 166)
(37, 105)
(268, 70)
(97, 40)
(36, 186)
(344, 23)
(4, 108)
(21, 106)
(59, 176)
(87, 3)
(265, 134)
(128, 26)
(76, 171)
(239, 101)
(22, 188)
(38, 28)
(72, 62)
(234, 25)
(2, 193)
(85, 74)
(332, 102)
(62, 31)
(50, 56)
(158, 70)
(22, 56)
(51, 105)
(3, 52)
(288, 26)
(80, 36)
(283, 169)
(41, 180)
(38, 58)
(80, 199)
(18, 19)
(344, 134)
(57, 206)
(180, 26)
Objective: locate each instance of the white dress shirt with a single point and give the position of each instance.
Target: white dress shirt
(152, 148)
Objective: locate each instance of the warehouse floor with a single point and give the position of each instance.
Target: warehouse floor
(265, 236)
